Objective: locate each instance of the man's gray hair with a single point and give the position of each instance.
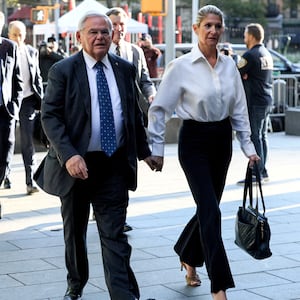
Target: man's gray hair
(117, 11)
(18, 24)
(93, 13)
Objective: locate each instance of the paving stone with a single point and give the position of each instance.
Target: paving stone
(32, 248)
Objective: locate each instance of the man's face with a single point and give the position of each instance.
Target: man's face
(246, 38)
(17, 35)
(95, 37)
(119, 27)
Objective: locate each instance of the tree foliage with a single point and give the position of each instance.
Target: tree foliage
(239, 9)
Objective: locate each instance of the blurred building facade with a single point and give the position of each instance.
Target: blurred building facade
(282, 19)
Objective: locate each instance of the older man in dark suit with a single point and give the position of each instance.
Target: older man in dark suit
(32, 95)
(10, 99)
(81, 167)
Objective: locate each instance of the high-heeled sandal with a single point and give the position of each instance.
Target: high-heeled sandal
(193, 280)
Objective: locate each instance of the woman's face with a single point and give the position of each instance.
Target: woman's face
(209, 30)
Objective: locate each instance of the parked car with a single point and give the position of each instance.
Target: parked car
(281, 64)
(180, 49)
(286, 84)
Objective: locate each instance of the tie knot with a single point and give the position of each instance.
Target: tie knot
(118, 52)
(99, 65)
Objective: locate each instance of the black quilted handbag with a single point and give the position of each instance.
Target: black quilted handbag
(252, 230)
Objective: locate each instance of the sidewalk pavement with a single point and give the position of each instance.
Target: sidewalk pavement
(32, 248)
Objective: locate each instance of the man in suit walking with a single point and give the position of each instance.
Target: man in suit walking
(130, 52)
(93, 159)
(32, 96)
(135, 55)
(10, 99)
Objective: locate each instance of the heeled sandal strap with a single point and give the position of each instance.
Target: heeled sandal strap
(193, 280)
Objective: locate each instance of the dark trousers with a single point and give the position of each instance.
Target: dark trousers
(106, 189)
(7, 141)
(205, 151)
(26, 115)
(258, 117)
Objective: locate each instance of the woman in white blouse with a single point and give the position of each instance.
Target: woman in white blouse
(205, 90)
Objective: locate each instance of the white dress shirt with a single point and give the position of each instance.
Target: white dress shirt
(95, 144)
(124, 48)
(196, 91)
(24, 68)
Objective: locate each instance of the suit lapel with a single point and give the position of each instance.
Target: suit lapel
(121, 82)
(30, 62)
(82, 82)
(129, 52)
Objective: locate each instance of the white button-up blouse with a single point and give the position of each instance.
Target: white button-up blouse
(197, 91)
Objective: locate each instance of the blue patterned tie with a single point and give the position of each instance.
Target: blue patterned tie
(107, 125)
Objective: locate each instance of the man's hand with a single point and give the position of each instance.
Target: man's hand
(76, 167)
(155, 162)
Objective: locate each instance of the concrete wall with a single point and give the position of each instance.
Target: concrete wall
(292, 121)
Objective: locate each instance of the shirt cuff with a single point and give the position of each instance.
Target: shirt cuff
(158, 149)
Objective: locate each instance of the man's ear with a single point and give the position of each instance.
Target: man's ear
(78, 37)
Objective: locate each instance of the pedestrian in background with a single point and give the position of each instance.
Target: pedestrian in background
(129, 51)
(10, 101)
(135, 55)
(226, 49)
(92, 119)
(210, 108)
(48, 56)
(151, 54)
(256, 68)
(32, 96)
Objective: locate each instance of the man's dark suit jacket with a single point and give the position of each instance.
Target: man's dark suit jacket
(66, 118)
(11, 81)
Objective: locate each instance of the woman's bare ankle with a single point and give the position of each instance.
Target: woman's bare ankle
(220, 295)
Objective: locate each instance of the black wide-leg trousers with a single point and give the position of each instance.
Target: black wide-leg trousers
(205, 150)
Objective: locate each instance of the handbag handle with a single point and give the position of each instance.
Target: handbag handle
(248, 187)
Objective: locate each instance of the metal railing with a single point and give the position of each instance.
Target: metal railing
(286, 92)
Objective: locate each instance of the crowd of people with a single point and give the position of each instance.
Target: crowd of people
(92, 117)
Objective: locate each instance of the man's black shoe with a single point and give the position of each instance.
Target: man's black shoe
(30, 189)
(72, 295)
(7, 183)
(127, 227)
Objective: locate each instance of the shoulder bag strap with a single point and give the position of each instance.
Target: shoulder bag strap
(258, 180)
(248, 187)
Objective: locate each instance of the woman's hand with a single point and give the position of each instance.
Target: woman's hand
(252, 159)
